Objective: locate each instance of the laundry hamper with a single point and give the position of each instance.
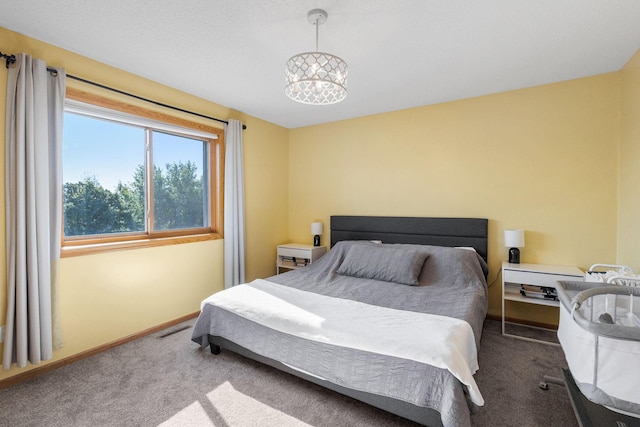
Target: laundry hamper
(600, 334)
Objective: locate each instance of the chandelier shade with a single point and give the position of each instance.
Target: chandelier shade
(316, 77)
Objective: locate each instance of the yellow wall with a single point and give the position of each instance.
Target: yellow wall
(542, 158)
(629, 169)
(109, 296)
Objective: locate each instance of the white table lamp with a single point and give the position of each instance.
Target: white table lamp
(514, 239)
(316, 230)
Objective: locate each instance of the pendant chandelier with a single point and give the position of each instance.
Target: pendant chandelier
(316, 77)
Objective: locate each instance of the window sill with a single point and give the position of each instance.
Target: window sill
(94, 248)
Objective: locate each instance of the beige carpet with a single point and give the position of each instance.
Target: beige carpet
(169, 381)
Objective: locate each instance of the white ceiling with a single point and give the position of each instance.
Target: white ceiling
(401, 53)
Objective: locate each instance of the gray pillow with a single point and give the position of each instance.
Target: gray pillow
(398, 265)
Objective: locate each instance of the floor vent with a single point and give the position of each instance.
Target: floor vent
(175, 331)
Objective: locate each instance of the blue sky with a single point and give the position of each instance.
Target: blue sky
(112, 151)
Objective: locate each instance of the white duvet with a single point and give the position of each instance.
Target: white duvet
(440, 341)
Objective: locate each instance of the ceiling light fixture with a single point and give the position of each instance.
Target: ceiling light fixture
(316, 77)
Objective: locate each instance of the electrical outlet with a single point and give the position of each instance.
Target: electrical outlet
(2, 328)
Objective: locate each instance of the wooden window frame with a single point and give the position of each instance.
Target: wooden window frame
(79, 245)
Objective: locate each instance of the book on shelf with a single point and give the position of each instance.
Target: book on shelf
(542, 292)
(288, 261)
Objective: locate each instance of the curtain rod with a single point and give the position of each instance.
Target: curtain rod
(10, 59)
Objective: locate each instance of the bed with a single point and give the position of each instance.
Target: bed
(401, 336)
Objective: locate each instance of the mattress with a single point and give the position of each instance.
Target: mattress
(451, 283)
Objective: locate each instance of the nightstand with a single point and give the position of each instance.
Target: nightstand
(534, 284)
(295, 255)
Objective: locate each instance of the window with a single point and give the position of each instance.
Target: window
(133, 177)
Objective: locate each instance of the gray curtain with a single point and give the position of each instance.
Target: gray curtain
(33, 144)
(234, 237)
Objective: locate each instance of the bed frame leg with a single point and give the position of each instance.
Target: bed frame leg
(215, 349)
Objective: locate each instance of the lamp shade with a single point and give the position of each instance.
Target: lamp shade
(316, 228)
(316, 78)
(514, 238)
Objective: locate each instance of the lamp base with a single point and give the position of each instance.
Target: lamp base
(316, 240)
(514, 256)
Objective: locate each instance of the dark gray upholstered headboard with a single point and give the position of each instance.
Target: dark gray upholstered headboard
(449, 232)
